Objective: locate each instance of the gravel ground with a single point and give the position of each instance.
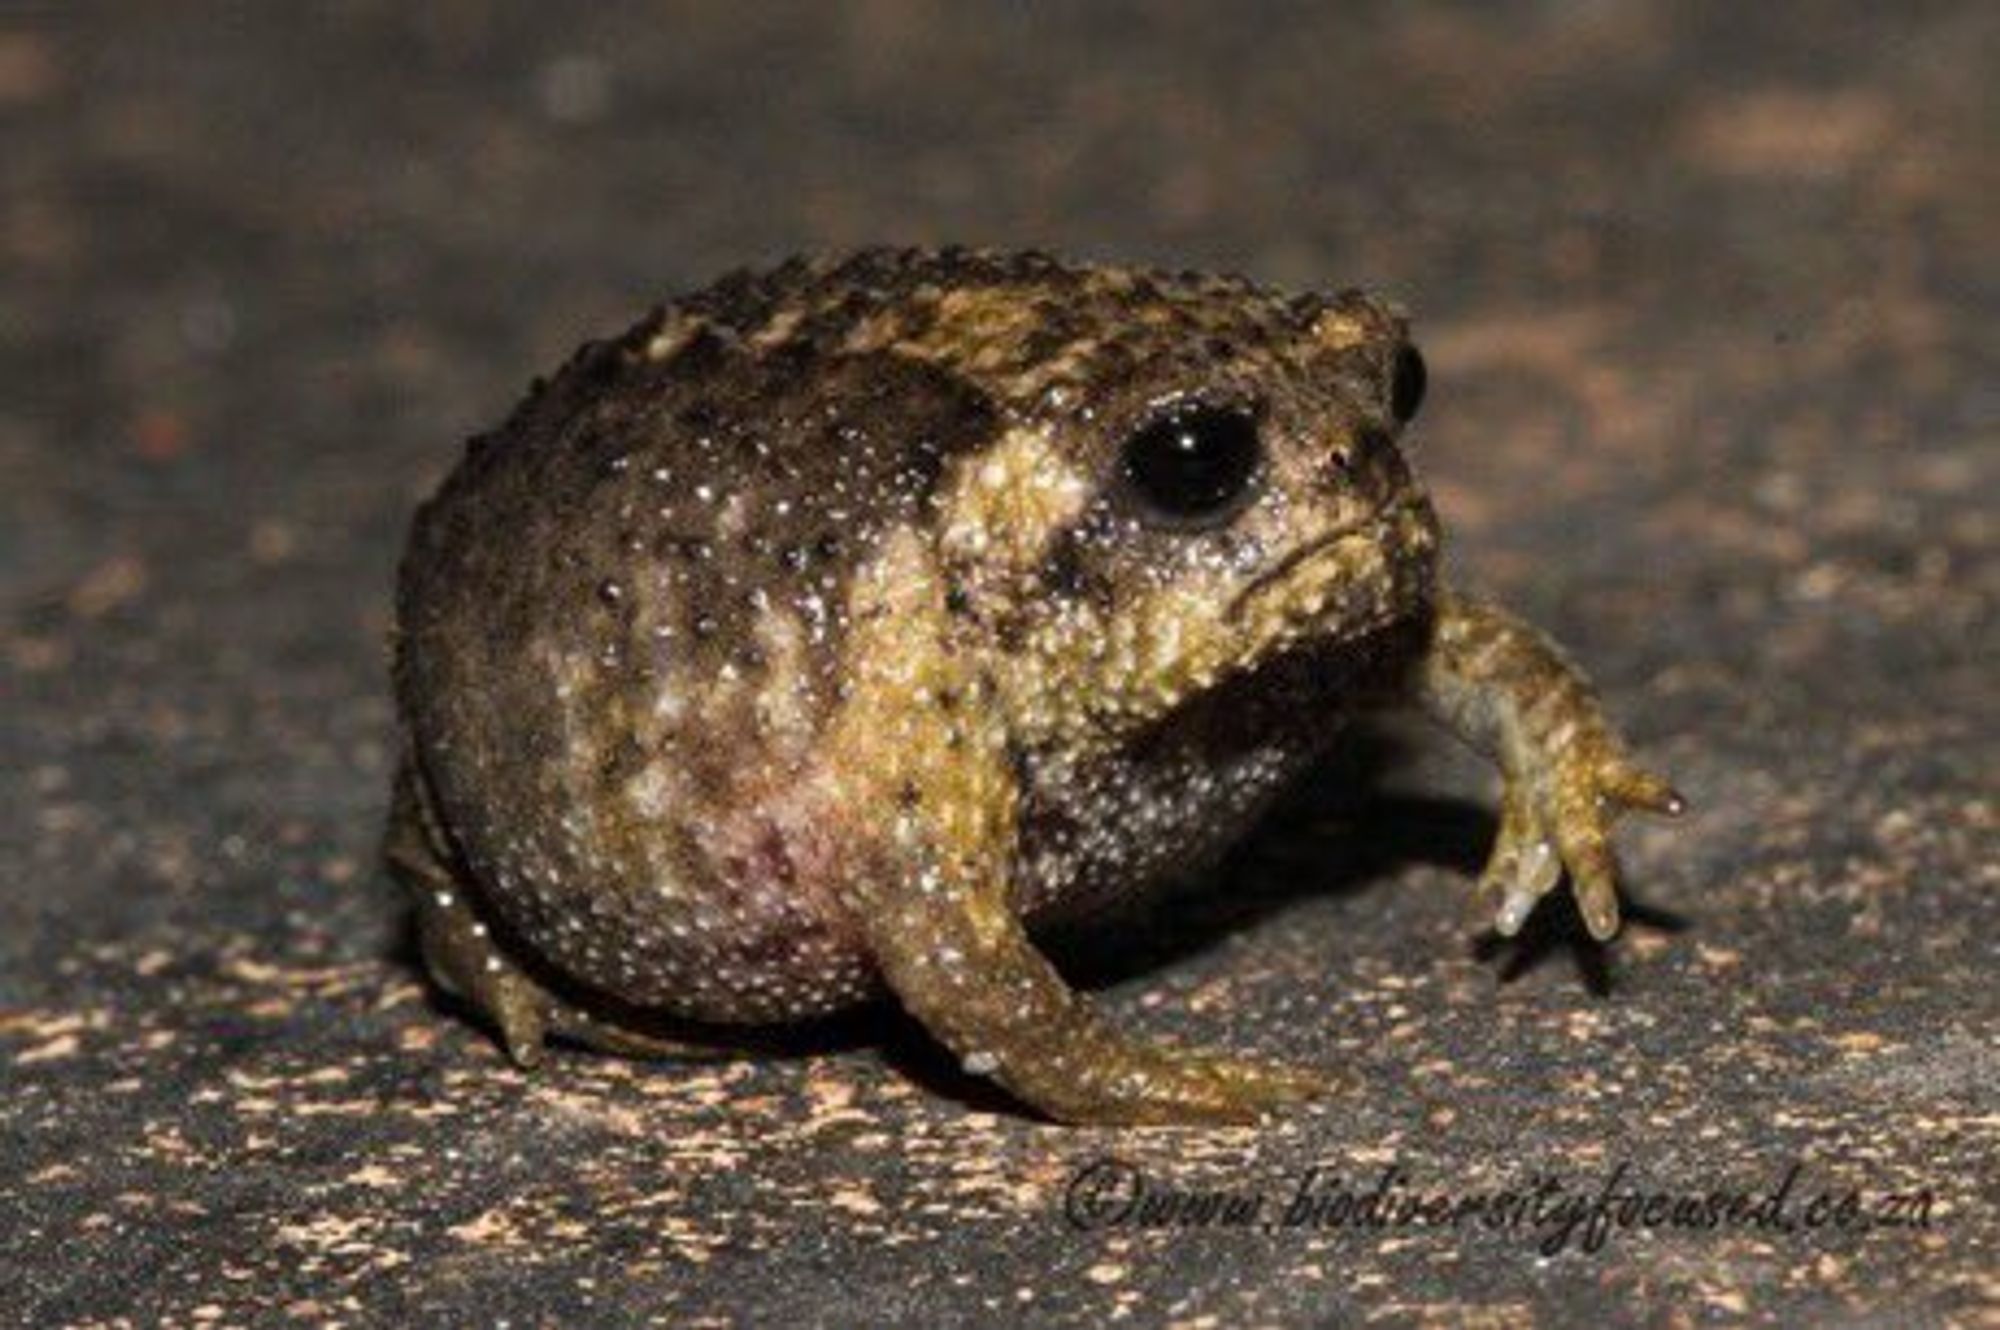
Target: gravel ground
(1708, 293)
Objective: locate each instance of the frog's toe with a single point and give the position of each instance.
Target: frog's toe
(465, 962)
(1586, 852)
(1523, 866)
(520, 1012)
(1591, 797)
(1269, 1085)
(1557, 819)
(1631, 786)
(1165, 1085)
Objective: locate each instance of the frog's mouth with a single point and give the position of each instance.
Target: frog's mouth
(1374, 565)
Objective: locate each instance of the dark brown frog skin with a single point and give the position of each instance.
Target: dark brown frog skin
(835, 625)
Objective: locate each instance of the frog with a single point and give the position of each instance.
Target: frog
(843, 625)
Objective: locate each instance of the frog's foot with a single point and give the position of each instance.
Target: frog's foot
(960, 961)
(1133, 1083)
(465, 962)
(1086, 1072)
(1510, 691)
(469, 963)
(1557, 816)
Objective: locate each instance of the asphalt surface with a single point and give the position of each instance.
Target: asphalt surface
(1708, 293)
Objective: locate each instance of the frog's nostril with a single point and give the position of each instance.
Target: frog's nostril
(1352, 456)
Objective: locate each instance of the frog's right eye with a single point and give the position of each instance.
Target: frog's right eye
(1406, 383)
(1194, 465)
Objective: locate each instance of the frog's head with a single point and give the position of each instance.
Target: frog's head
(1195, 477)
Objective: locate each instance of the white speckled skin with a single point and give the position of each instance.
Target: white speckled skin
(811, 636)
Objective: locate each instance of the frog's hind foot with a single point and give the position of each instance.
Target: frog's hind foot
(962, 963)
(1132, 1083)
(470, 964)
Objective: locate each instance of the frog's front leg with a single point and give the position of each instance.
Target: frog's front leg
(958, 958)
(1509, 691)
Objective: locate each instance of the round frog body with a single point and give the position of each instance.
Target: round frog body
(836, 625)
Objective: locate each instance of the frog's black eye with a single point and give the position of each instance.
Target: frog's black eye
(1194, 465)
(1406, 383)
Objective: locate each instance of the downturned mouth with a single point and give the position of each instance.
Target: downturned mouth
(1373, 522)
